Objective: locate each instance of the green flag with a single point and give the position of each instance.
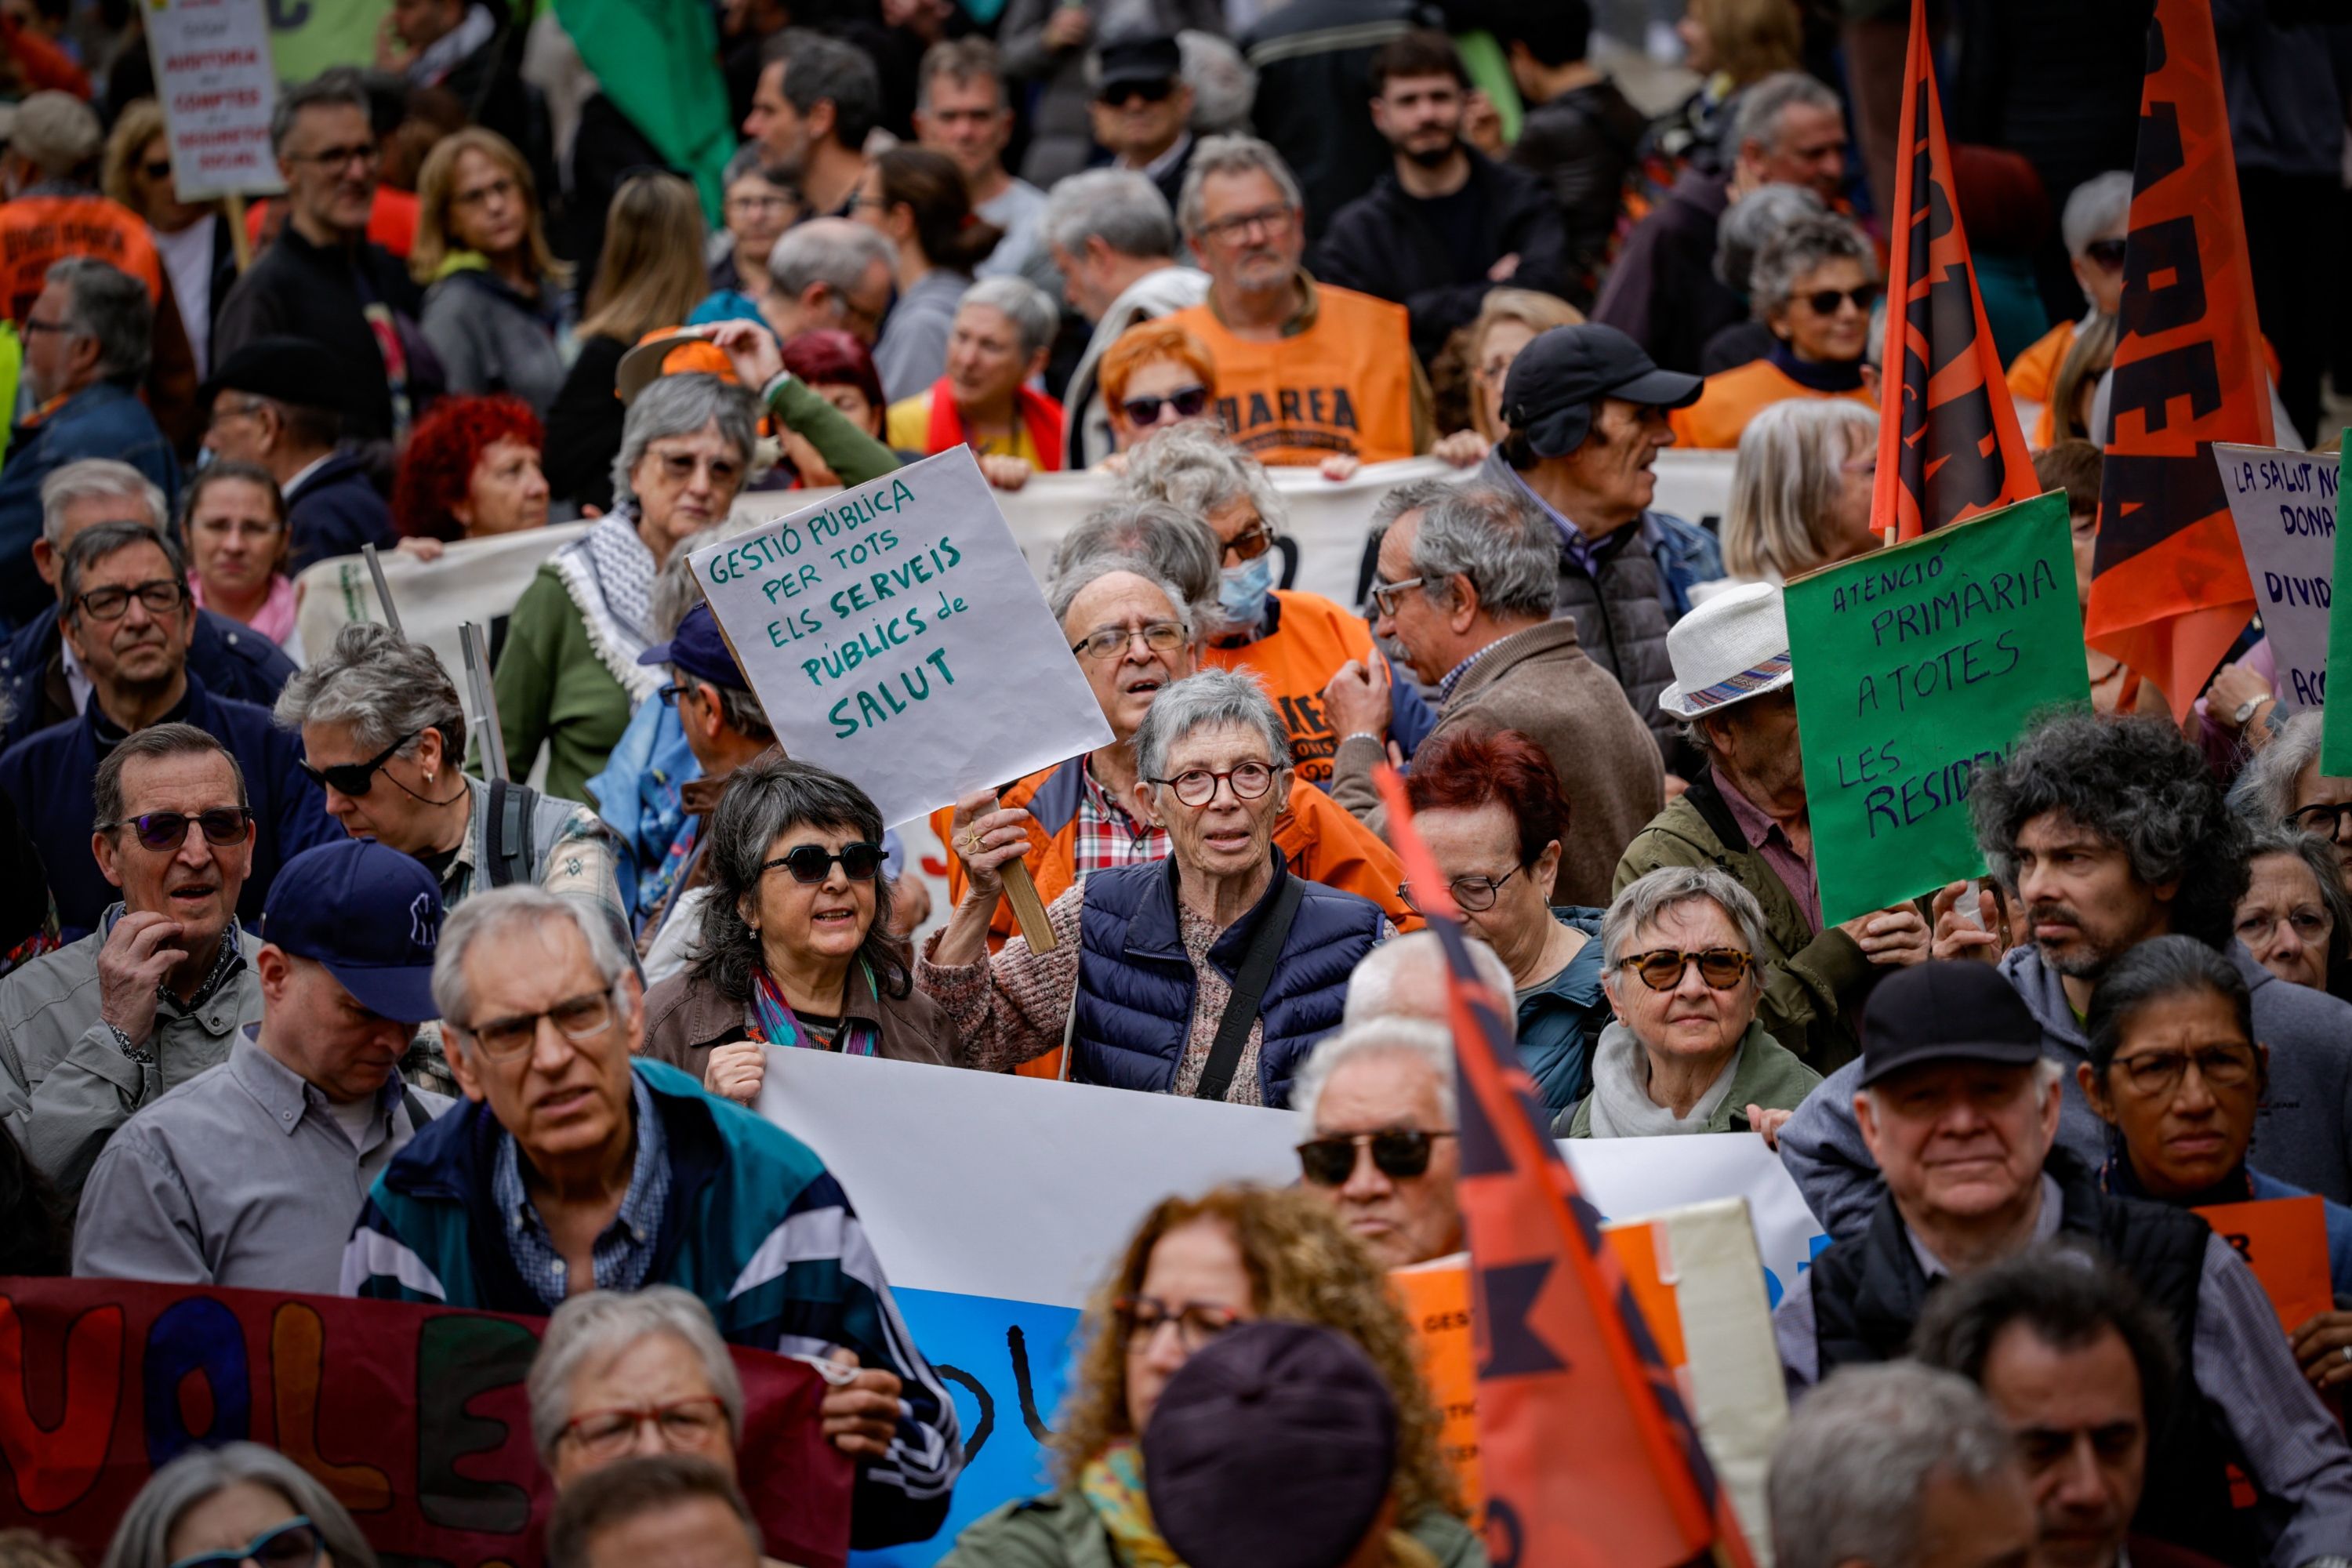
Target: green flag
(658, 62)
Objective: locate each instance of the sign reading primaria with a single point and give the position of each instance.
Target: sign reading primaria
(1915, 666)
(895, 634)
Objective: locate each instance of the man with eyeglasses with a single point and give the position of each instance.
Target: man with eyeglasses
(1378, 1140)
(1959, 1107)
(129, 621)
(103, 1025)
(278, 402)
(251, 1174)
(578, 1165)
(322, 278)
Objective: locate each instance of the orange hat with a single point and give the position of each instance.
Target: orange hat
(670, 350)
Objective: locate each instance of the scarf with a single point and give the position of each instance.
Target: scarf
(1112, 1484)
(609, 574)
(1814, 375)
(274, 620)
(1622, 1108)
(1040, 415)
(774, 1023)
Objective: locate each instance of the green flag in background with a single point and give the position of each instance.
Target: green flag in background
(658, 62)
(307, 37)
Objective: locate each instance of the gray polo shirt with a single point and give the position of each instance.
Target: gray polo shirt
(241, 1176)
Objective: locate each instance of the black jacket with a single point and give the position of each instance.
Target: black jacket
(1313, 59)
(334, 512)
(321, 293)
(230, 657)
(1662, 290)
(583, 427)
(1581, 144)
(1381, 243)
(1868, 1291)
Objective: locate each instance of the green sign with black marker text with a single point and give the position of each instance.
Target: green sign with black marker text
(2335, 723)
(1915, 666)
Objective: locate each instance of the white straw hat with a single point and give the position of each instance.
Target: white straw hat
(1732, 646)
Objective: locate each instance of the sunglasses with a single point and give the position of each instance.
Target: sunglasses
(1399, 1153)
(1125, 92)
(1186, 401)
(159, 170)
(813, 863)
(355, 778)
(223, 825)
(2107, 253)
(1825, 301)
(296, 1543)
(1720, 967)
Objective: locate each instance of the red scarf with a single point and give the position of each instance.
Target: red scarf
(1039, 413)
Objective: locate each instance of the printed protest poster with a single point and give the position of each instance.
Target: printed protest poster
(2284, 1242)
(1916, 666)
(217, 83)
(2284, 504)
(415, 1417)
(894, 634)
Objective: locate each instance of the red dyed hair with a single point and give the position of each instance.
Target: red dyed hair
(438, 466)
(829, 357)
(1468, 770)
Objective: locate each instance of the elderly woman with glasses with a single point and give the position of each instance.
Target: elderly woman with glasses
(1195, 1268)
(1212, 974)
(1814, 285)
(2175, 1071)
(625, 1373)
(2294, 917)
(794, 945)
(240, 1505)
(1688, 1053)
(2284, 786)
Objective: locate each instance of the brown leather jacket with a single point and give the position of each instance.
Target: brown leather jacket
(686, 1017)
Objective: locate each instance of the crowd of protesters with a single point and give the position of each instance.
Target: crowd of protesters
(298, 992)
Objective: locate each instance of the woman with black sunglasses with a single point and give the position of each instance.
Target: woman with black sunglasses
(237, 1504)
(795, 946)
(1688, 1053)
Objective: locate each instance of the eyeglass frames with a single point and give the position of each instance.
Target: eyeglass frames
(1662, 969)
(222, 826)
(812, 863)
(1399, 1153)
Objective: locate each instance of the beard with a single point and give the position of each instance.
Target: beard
(1433, 158)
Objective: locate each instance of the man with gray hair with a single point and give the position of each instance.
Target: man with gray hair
(996, 345)
(87, 339)
(1377, 1134)
(962, 110)
(2096, 218)
(816, 101)
(43, 680)
(830, 274)
(1113, 237)
(1463, 584)
(1898, 1466)
(578, 1164)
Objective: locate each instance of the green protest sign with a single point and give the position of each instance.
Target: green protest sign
(2335, 723)
(1914, 666)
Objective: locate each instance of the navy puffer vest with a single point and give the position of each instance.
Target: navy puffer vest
(1136, 983)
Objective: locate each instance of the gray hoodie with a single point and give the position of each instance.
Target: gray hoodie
(2303, 1131)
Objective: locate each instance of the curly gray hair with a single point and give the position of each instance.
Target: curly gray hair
(1177, 546)
(597, 1327)
(2268, 790)
(1651, 894)
(1809, 241)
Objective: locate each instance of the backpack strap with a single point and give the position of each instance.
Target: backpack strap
(510, 857)
(1249, 986)
(417, 1115)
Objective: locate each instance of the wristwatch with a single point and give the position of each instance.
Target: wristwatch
(2245, 711)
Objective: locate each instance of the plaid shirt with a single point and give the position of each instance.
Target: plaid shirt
(1107, 835)
(624, 1252)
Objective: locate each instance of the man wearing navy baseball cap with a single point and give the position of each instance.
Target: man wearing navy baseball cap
(1585, 412)
(252, 1173)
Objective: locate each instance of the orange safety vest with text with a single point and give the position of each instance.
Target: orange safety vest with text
(1343, 385)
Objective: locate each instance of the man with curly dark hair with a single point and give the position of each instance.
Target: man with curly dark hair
(2104, 832)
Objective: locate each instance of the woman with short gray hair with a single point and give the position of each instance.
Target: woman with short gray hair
(239, 1500)
(604, 1352)
(1149, 958)
(1812, 284)
(2282, 786)
(1686, 1054)
(996, 345)
(793, 943)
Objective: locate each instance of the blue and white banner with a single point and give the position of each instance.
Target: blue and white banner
(998, 1204)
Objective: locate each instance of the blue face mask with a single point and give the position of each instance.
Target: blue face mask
(1242, 590)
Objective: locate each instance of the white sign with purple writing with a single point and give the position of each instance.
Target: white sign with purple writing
(218, 87)
(895, 634)
(2283, 503)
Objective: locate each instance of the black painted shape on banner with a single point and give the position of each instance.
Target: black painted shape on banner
(981, 1397)
(1018, 1342)
(459, 1359)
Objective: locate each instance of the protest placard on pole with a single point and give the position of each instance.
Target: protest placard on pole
(1915, 666)
(2284, 504)
(217, 81)
(895, 634)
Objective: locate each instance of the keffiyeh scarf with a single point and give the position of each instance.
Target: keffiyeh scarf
(610, 574)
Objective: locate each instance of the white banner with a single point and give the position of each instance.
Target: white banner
(2283, 503)
(218, 87)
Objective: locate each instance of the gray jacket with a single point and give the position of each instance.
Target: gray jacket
(65, 1084)
(490, 339)
(2303, 1130)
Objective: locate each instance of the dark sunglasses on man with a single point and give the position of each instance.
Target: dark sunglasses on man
(1118, 95)
(167, 830)
(813, 863)
(1399, 1153)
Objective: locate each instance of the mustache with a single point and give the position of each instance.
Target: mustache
(2052, 914)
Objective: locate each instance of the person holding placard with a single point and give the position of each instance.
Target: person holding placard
(1212, 974)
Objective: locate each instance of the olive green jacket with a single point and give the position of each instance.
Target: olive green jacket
(1768, 1076)
(1058, 1529)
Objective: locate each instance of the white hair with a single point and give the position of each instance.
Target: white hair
(1417, 955)
(2097, 208)
(601, 1324)
(1429, 1044)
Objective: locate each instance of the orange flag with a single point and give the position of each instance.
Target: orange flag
(1948, 442)
(1591, 1460)
(2171, 593)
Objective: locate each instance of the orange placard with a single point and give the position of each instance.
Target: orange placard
(2284, 1242)
(1437, 1306)
(1636, 1246)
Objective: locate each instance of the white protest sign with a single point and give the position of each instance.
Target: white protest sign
(895, 634)
(2283, 503)
(218, 84)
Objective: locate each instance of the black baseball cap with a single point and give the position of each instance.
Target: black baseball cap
(1151, 57)
(1553, 383)
(368, 913)
(1946, 1010)
(293, 370)
(696, 649)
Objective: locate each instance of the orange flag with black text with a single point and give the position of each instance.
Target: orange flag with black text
(1590, 1457)
(2169, 594)
(1949, 445)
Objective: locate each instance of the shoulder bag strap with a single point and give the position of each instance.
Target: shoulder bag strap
(509, 839)
(417, 1115)
(1249, 986)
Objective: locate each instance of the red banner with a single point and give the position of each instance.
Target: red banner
(1948, 442)
(1591, 1459)
(413, 1417)
(2170, 593)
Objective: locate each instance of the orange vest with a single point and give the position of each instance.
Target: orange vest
(1733, 397)
(2032, 374)
(1311, 638)
(1343, 385)
(37, 230)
